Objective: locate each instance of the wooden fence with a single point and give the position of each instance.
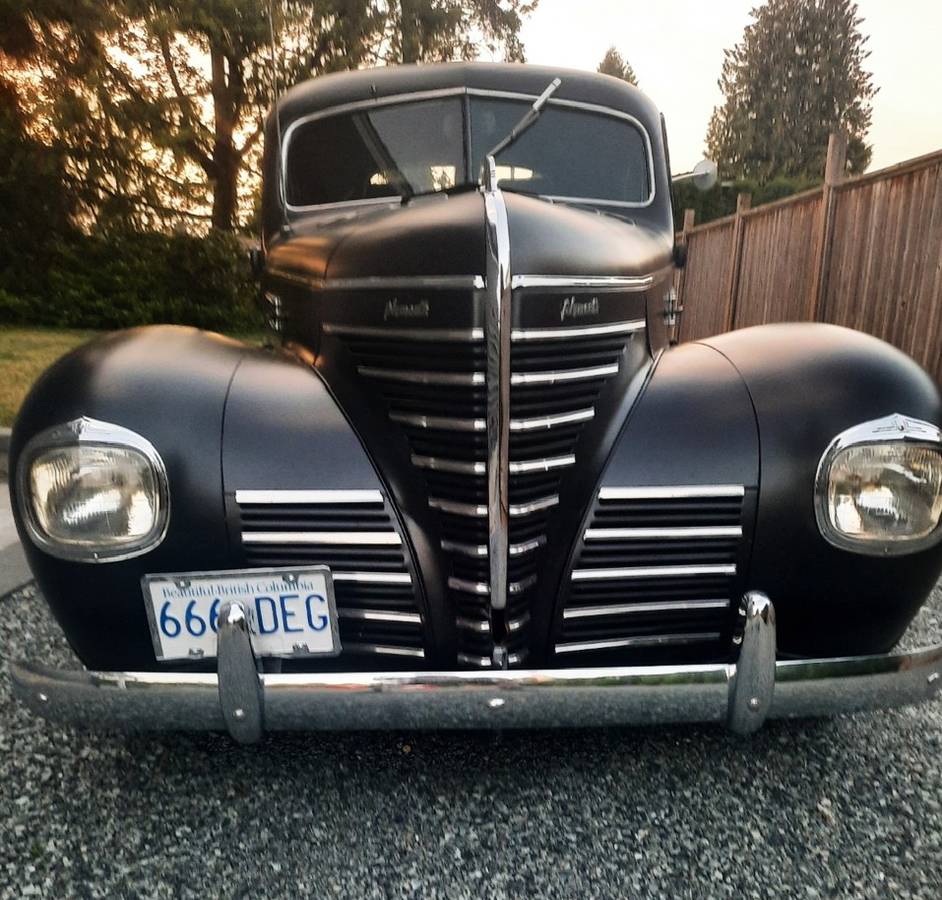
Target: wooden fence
(865, 252)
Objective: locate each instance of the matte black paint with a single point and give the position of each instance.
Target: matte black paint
(285, 431)
(169, 385)
(756, 407)
(808, 383)
(693, 425)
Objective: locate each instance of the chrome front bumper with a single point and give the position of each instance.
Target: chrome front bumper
(246, 703)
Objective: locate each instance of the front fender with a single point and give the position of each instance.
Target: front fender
(808, 383)
(168, 384)
(223, 417)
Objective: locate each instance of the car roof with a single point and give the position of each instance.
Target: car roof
(340, 88)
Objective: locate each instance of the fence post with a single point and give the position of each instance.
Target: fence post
(743, 204)
(833, 176)
(681, 299)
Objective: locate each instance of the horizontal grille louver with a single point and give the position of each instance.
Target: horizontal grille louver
(376, 602)
(653, 577)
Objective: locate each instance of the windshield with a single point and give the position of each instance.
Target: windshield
(433, 145)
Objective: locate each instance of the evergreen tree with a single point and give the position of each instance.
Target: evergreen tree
(613, 63)
(160, 103)
(797, 75)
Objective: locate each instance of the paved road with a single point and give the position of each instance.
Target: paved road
(850, 807)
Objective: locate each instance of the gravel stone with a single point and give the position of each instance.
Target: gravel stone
(849, 807)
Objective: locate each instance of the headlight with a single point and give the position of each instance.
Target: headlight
(93, 491)
(879, 487)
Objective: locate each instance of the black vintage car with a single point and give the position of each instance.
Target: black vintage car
(474, 485)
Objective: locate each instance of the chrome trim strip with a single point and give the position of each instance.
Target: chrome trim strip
(383, 650)
(898, 429)
(547, 464)
(482, 589)
(482, 626)
(379, 615)
(651, 572)
(406, 283)
(628, 283)
(394, 99)
(467, 659)
(455, 466)
(479, 511)
(479, 551)
(577, 331)
(476, 551)
(447, 335)
(532, 698)
(521, 548)
(561, 376)
(554, 421)
(455, 508)
(86, 431)
(372, 577)
(466, 379)
(323, 538)
(515, 625)
(670, 534)
(381, 282)
(672, 492)
(437, 423)
(307, 497)
(649, 640)
(526, 509)
(479, 588)
(628, 609)
(497, 328)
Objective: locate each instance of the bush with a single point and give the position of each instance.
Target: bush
(720, 200)
(119, 279)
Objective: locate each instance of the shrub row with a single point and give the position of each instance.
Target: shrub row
(120, 279)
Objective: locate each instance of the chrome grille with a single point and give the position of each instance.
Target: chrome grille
(353, 534)
(435, 390)
(654, 572)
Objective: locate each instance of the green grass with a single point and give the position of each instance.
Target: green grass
(25, 353)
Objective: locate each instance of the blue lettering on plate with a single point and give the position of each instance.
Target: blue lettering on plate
(317, 622)
(260, 619)
(287, 614)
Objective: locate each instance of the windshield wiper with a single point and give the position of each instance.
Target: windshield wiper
(489, 167)
(531, 115)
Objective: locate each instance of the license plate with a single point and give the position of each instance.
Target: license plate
(291, 612)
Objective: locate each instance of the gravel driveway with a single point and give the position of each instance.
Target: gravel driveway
(850, 807)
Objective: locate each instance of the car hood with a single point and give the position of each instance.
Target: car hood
(445, 235)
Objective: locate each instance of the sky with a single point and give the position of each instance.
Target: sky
(676, 49)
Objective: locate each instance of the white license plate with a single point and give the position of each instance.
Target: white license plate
(291, 612)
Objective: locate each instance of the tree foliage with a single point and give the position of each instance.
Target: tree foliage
(35, 205)
(797, 75)
(158, 104)
(613, 63)
(720, 200)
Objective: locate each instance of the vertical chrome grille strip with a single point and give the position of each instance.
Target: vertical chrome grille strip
(497, 326)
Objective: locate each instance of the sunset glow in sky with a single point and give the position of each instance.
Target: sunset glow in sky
(676, 49)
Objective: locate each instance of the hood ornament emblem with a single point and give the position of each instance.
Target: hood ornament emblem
(571, 308)
(420, 309)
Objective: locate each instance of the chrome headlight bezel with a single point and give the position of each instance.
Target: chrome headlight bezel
(893, 429)
(87, 432)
